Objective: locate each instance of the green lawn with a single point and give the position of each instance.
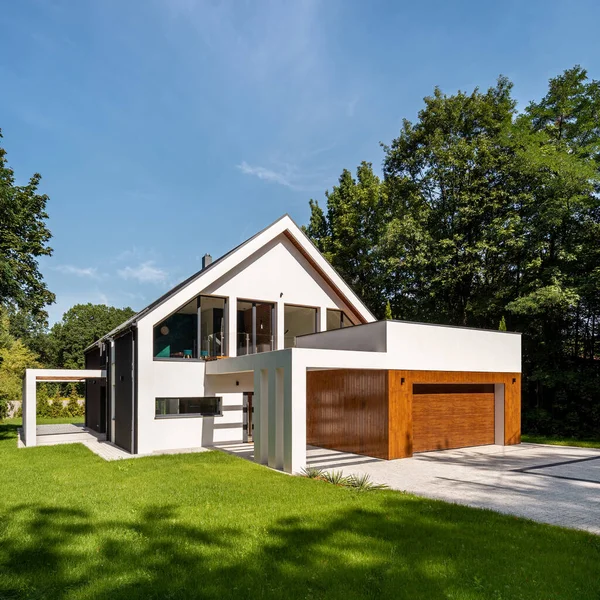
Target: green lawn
(560, 441)
(52, 420)
(73, 526)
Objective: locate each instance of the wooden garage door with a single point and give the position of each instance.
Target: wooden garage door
(452, 416)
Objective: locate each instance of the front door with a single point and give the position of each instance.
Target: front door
(248, 416)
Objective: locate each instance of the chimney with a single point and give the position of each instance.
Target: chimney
(206, 260)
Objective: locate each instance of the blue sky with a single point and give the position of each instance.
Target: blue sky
(165, 129)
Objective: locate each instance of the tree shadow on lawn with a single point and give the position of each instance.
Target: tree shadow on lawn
(390, 551)
(8, 430)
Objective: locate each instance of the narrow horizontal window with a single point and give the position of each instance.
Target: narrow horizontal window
(208, 406)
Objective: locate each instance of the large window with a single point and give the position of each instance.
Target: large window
(298, 320)
(336, 319)
(212, 326)
(254, 327)
(186, 407)
(177, 335)
(203, 318)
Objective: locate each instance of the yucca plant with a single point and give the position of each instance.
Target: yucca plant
(313, 473)
(363, 483)
(335, 477)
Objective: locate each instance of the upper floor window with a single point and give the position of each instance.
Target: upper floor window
(177, 335)
(336, 319)
(196, 330)
(255, 327)
(298, 320)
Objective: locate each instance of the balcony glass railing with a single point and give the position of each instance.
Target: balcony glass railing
(212, 345)
(264, 343)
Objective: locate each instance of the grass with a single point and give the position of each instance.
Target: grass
(51, 420)
(560, 441)
(74, 527)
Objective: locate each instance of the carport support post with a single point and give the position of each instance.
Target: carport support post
(294, 416)
(29, 408)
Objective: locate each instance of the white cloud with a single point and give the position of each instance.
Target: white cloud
(90, 272)
(146, 272)
(288, 175)
(265, 174)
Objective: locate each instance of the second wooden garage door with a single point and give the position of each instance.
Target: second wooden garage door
(452, 416)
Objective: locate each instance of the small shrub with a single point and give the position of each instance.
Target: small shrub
(363, 483)
(335, 477)
(360, 483)
(312, 473)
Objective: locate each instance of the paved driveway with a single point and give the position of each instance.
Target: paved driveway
(550, 484)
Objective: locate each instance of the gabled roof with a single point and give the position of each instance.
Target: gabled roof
(284, 225)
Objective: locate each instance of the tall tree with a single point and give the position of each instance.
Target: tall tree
(81, 326)
(348, 232)
(450, 175)
(24, 237)
(491, 217)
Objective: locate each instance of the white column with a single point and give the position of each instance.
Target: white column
(272, 418)
(280, 326)
(499, 413)
(29, 408)
(279, 387)
(275, 418)
(294, 417)
(322, 319)
(261, 416)
(231, 326)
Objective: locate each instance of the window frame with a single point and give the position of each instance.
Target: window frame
(317, 320)
(253, 304)
(198, 358)
(343, 315)
(219, 413)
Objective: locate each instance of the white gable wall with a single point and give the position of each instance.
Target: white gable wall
(275, 272)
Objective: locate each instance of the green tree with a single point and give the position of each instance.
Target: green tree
(14, 359)
(347, 234)
(80, 326)
(490, 216)
(23, 238)
(388, 311)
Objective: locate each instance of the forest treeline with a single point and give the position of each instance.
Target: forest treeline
(487, 216)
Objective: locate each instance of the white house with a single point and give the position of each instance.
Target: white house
(268, 344)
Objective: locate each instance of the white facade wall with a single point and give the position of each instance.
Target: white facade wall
(422, 347)
(365, 338)
(276, 273)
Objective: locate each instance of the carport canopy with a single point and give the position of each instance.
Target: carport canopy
(32, 376)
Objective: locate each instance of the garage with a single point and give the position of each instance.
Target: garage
(452, 416)
(394, 413)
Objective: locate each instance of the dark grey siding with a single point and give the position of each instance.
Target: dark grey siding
(124, 392)
(95, 393)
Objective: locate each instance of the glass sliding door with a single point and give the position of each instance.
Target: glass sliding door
(212, 326)
(244, 328)
(264, 327)
(254, 327)
(298, 320)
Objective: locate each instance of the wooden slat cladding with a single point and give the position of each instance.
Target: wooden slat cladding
(452, 420)
(400, 427)
(512, 409)
(347, 409)
(390, 414)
